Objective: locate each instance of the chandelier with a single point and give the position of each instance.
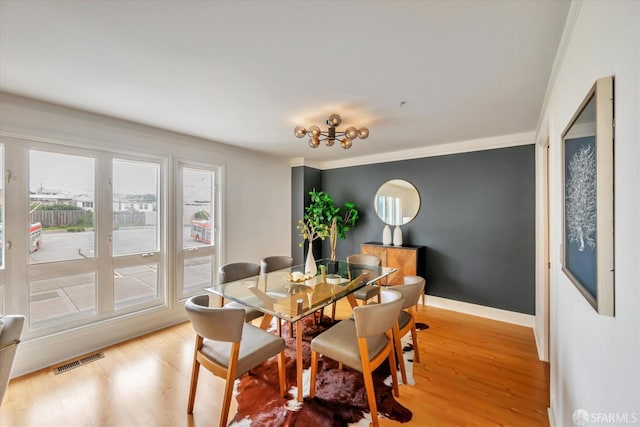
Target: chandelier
(330, 135)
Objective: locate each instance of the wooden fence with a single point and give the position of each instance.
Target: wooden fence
(63, 218)
(58, 218)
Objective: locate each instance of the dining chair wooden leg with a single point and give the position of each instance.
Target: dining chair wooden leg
(282, 375)
(392, 365)
(230, 380)
(414, 338)
(371, 394)
(398, 349)
(333, 312)
(314, 374)
(195, 370)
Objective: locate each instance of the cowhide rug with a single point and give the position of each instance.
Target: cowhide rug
(340, 399)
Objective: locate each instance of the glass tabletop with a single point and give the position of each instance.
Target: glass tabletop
(290, 295)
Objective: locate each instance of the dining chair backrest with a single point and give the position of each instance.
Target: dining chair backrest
(364, 259)
(237, 271)
(10, 331)
(229, 347)
(217, 324)
(376, 319)
(412, 289)
(412, 279)
(276, 262)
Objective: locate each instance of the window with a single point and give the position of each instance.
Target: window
(136, 234)
(87, 263)
(59, 233)
(60, 230)
(198, 224)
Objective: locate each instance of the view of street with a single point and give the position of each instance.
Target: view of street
(76, 295)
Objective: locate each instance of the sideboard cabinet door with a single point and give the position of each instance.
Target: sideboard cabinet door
(409, 260)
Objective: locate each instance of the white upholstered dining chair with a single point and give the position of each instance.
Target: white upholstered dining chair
(369, 291)
(229, 347)
(412, 288)
(274, 263)
(238, 271)
(363, 343)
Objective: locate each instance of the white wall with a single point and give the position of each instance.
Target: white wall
(595, 360)
(256, 222)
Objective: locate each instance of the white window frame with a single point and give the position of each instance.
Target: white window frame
(217, 227)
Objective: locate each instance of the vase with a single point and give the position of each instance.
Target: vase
(310, 266)
(332, 267)
(397, 236)
(386, 235)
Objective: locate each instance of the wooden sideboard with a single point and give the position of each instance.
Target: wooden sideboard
(408, 259)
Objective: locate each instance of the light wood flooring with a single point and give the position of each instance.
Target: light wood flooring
(473, 372)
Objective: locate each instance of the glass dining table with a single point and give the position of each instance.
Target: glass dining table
(291, 295)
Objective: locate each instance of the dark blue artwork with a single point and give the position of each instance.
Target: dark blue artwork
(580, 221)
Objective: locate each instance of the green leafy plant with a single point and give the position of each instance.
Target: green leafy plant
(342, 222)
(323, 218)
(315, 222)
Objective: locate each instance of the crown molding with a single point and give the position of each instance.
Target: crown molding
(300, 161)
(567, 33)
(512, 140)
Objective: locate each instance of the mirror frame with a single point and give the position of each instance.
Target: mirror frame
(415, 197)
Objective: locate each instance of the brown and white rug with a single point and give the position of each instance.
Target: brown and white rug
(340, 399)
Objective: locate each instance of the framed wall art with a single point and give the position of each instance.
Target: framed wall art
(588, 198)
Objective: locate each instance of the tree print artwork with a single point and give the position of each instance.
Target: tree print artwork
(580, 203)
(580, 212)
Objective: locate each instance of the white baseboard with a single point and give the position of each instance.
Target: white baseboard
(552, 418)
(542, 355)
(50, 350)
(521, 319)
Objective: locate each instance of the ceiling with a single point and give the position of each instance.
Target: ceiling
(245, 73)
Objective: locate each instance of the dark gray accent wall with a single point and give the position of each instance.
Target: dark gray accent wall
(477, 220)
(303, 180)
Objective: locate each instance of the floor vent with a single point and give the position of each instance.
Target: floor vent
(77, 363)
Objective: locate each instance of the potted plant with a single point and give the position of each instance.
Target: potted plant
(321, 219)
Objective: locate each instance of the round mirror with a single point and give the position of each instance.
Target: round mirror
(397, 202)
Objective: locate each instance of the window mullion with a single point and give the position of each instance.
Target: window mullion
(104, 235)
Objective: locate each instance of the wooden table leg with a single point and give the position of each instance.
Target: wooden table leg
(352, 301)
(266, 321)
(299, 358)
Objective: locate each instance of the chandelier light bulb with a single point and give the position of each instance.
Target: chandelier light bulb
(351, 133)
(329, 142)
(314, 131)
(299, 131)
(314, 142)
(334, 120)
(346, 143)
(363, 133)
